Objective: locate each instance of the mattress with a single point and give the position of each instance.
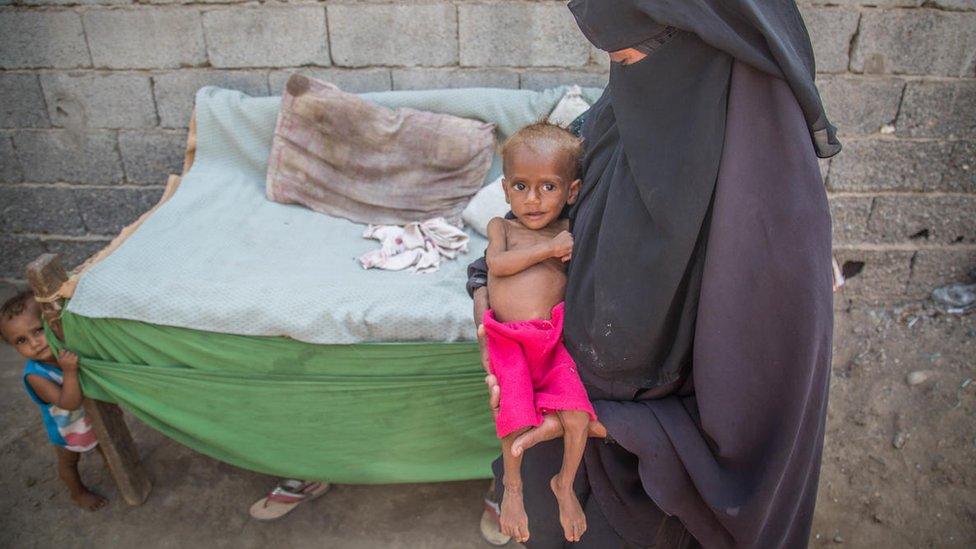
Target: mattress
(219, 257)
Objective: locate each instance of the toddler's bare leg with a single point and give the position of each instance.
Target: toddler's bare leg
(571, 516)
(68, 471)
(513, 520)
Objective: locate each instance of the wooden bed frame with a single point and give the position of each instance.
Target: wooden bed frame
(51, 286)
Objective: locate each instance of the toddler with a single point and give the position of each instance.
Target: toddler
(52, 384)
(523, 326)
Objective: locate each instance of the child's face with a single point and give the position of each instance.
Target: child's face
(26, 334)
(538, 186)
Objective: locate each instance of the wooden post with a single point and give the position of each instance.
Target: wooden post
(46, 275)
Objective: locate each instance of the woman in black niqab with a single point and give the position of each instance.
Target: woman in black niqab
(698, 304)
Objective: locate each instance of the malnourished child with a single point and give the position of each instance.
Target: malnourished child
(526, 285)
(52, 384)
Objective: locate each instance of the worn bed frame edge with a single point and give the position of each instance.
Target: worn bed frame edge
(51, 285)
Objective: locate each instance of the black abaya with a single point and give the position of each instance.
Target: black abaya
(699, 296)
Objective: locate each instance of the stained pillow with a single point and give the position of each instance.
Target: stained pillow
(569, 107)
(489, 202)
(338, 154)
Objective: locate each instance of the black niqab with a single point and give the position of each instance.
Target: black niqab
(767, 34)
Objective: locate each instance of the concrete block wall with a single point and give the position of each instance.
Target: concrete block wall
(95, 98)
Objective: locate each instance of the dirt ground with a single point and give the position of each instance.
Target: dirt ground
(899, 468)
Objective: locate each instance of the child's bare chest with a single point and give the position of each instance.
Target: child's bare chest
(533, 292)
(519, 237)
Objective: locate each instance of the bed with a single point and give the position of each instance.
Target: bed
(245, 329)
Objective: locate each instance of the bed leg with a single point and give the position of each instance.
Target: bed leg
(120, 451)
(46, 275)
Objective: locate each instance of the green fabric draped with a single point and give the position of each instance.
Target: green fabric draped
(364, 413)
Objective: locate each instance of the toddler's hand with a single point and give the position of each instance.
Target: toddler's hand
(562, 245)
(68, 361)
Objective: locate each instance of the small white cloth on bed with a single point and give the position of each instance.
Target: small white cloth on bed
(416, 247)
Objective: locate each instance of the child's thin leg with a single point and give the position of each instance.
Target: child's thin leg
(68, 471)
(571, 516)
(513, 520)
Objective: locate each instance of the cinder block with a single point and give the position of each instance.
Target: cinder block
(145, 38)
(10, 171)
(99, 100)
(872, 3)
(957, 5)
(49, 156)
(831, 30)
(108, 211)
(599, 58)
(521, 35)
(824, 165)
(883, 278)
(889, 165)
(960, 172)
(18, 251)
(432, 79)
(266, 37)
(922, 41)
(849, 215)
(540, 80)
(858, 105)
(39, 209)
(72, 2)
(21, 101)
(37, 39)
(932, 219)
(197, 1)
(399, 35)
(350, 80)
(175, 91)
(938, 109)
(74, 252)
(933, 268)
(149, 156)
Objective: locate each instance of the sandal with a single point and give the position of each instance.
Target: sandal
(288, 494)
(491, 529)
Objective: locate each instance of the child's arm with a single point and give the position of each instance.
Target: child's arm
(68, 396)
(505, 262)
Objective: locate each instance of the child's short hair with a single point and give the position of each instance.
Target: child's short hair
(14, 306)
(545, 138)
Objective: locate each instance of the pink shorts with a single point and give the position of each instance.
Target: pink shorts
(534, 371)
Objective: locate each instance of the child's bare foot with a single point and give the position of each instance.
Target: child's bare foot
(513, 519)
(88, 500)
(570, 513)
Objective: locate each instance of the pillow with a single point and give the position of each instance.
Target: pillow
(338, 154)
(569, 107)
(488, 203)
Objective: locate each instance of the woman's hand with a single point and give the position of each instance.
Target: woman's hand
(494, 394)
(627, 56)
(483, 346)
